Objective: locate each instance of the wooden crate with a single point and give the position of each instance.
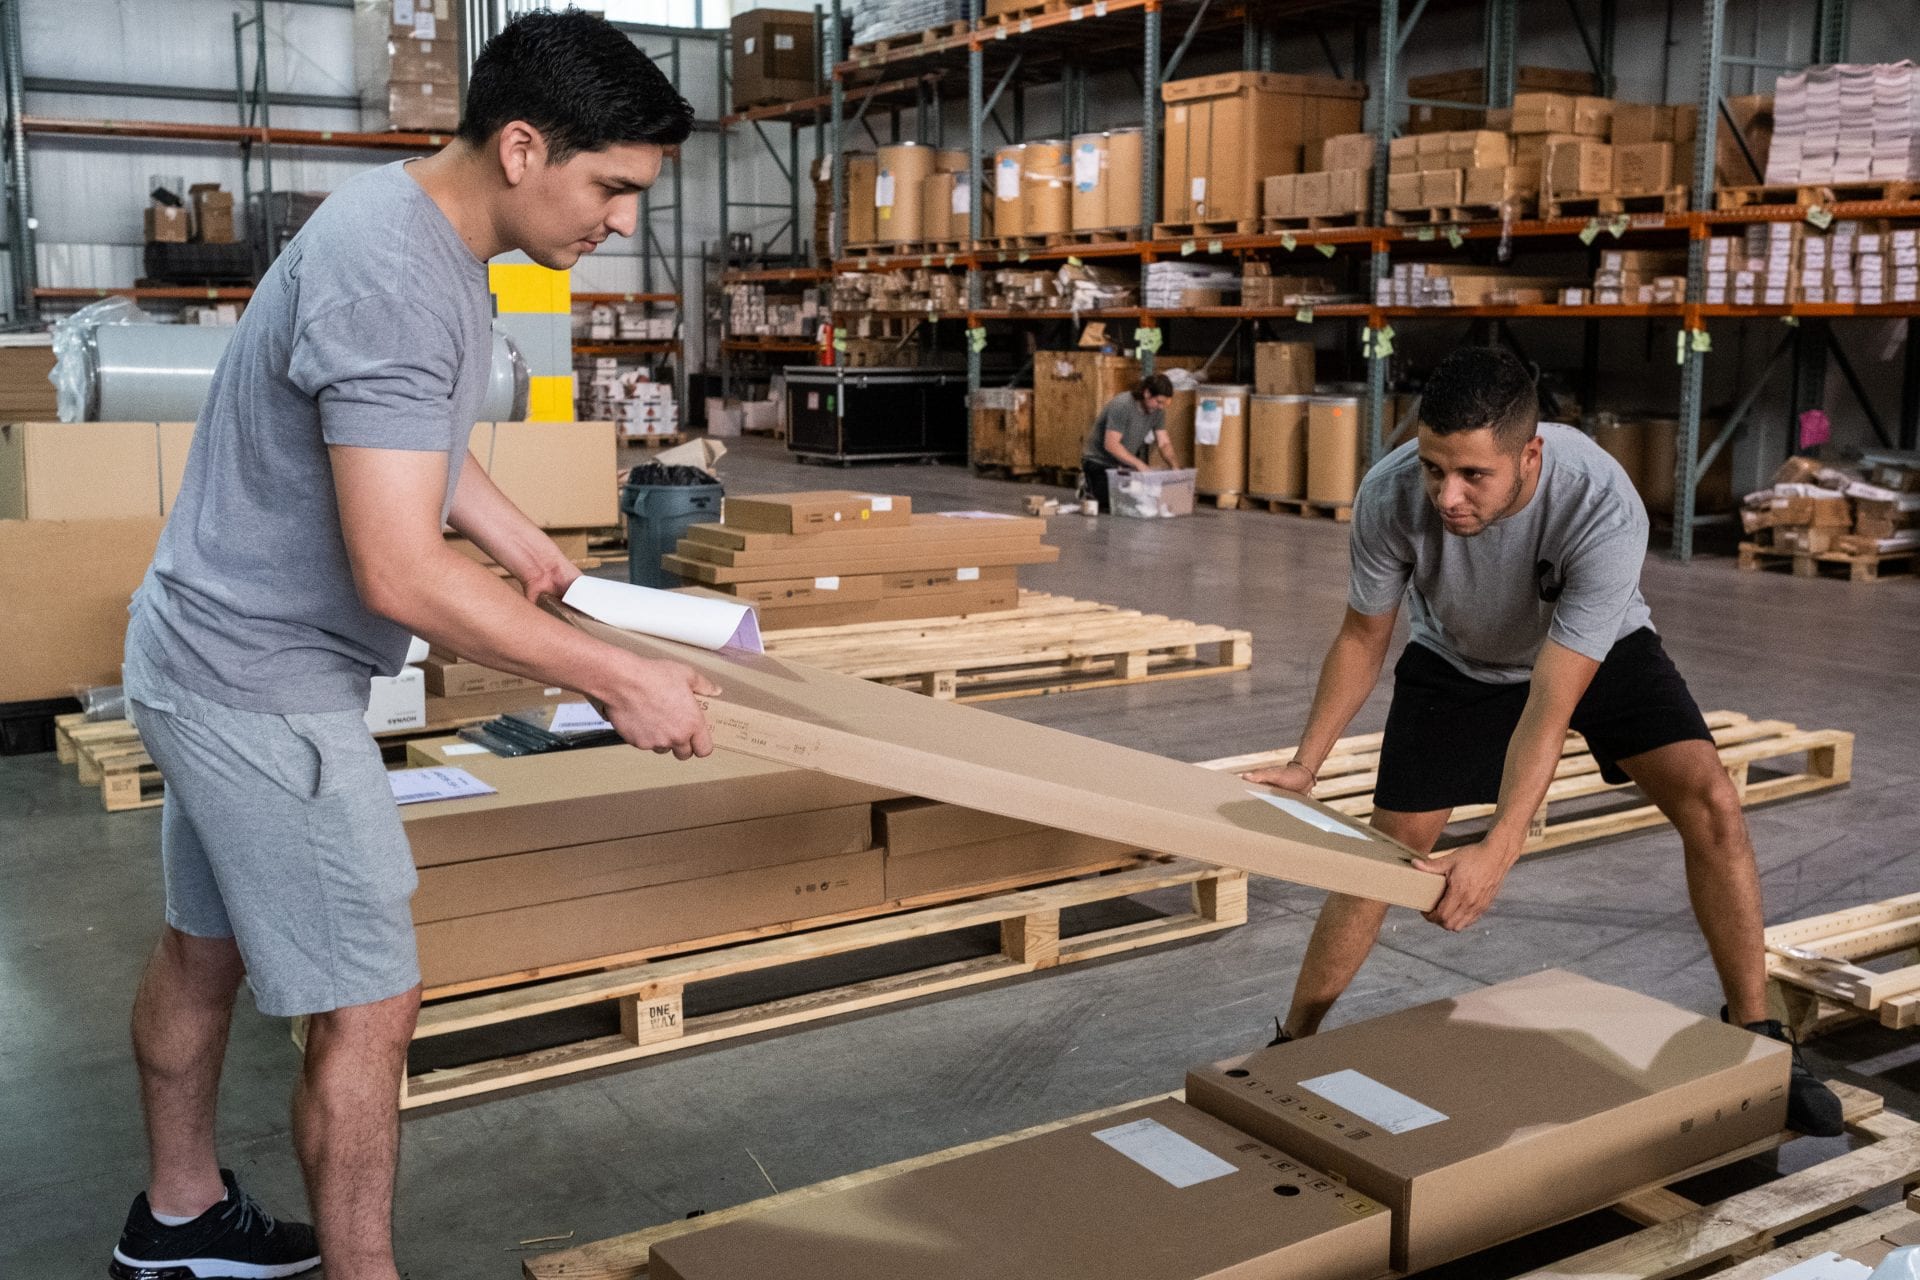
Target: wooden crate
(1348, 775)
(1049, 644)
(1679, 1237)
(1818, 972)
(650, 990)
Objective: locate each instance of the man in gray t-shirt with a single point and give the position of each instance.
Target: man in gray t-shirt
(1517, 548)
(304, 551)
(1120, 432)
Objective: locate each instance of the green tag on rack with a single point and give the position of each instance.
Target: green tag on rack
(1619, 225)
(1304, 314)
(1073, 262)
(1680, 347)
(1213, 246)
(1326, 250)
(1288, 242)
(839, 343)
(1186, 247)
(1702, 341)
(1819, 217)
(949, 259)
(927, 260)
(1790, 321)
(1424, 233)
(1023, 255)
(1454, 237)
(977, 338)
(1590, 232)
(1383, 343)
(1147, 340)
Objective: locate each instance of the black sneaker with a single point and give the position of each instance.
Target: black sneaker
(1812, 1108)
(234, 1240)
(1280, 1035)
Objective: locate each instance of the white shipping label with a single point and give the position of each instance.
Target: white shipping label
(1373, 1102)
(976, 515)
(412, 786)
(577, 717)
(1206, 423)
(1231, 406)
(1198, 190)
(423, 27)
(963, 196)
(1177, 116)
(1006, 179)
(966, 575)
(1826, 1266)
(883, 190)
(464, 749)
(813, 399)
(826, 584)
(782, 43)
(879, 501)
(748, 50)
(1164, 1153)
(1086, 167)
(426, 90)
(1309, 815)
(402, 13)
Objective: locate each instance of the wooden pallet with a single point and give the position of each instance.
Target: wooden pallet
(1507, 211)
(1819, 974)
(1743, 197)
(1430, 215)
(655, 442)
(1011, 244)
(1672, 200)
(1339, 512)
(109, 755)
(1099, 235)
(1204, 228)
(1864, 567)
(1349, 772)
(1049, 644)
(1225, 501)
(1678, 1237)
(1311, 222)
(1004, 471)
(906, 40)
(1026, 12)
(650, 993)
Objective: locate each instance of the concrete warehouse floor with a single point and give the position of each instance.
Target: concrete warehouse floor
(598, 1155)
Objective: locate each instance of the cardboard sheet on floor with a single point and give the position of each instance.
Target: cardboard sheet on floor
(865, 732)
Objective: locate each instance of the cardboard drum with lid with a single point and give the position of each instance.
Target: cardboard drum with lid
(1123, 177)
(1007, 182)
(898, 185)
(936, 208)
(1048, 202)
(1277, 446)
(1333, 448)
(1220, 438)
(1089, 181)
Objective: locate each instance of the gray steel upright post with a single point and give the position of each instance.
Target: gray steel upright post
(837, 220)
(26, 267)
(1380, 96)
(1150, 121)
(976, 107)
(1693, 373)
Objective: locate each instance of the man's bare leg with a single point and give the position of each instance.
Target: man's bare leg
(1690, 785)
(180, 1022)
(1344, 935)
(346, 1124)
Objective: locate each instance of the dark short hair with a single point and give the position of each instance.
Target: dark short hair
(1154, 384)
(1482, 387)
(576, 79)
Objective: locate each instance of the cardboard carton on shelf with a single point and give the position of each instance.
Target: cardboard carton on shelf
(1226, 133)
(1403, 191)
(166, 224)
(1440, 187)
(815, 511)
(1503, 185)
(1579, 168)
(1642, 167)
(1403, 155)
(1528, 1103)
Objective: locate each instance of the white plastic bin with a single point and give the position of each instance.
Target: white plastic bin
(1150, 495)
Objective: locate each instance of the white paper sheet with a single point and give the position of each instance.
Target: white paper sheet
(1373, 1102)
(1206, 423)
(696, 620)
(1158, 1149)
(1309, 815)
(442, 782)
(577, 717)
(975, 515)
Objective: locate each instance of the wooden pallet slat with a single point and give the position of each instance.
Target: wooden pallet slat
(1818, 976)
(1854, 566)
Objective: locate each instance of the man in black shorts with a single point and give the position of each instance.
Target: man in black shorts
(1517, 546)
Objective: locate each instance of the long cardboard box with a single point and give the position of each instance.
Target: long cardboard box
(920, 530)
(811, 512)
(66, 585)
(611, 866)
(1498, 1112)
(913, 826)
(990, 597)
(699, 563)
(91, 470)
(1034, 853)
(792, 593)
(527, 939)
(1155, 1192)
(451, 676)
(611, 793)
(914, 745)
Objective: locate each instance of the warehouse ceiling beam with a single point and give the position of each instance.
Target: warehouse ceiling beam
(1186, 41)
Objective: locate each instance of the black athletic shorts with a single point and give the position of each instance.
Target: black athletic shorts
(1446, 739)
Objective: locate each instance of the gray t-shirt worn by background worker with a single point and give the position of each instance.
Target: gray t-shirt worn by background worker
(1136, 426)
(1566, 567)
(372, 329)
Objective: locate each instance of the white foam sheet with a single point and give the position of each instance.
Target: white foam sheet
(701, 621)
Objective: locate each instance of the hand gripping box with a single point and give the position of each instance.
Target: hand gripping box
(1498, 1112)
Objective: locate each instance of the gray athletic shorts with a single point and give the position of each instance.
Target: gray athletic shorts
(280, 832)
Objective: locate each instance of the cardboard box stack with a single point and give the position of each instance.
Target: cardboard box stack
(1336, 186)
(773, 58)
(1465, 167)
(26, 392)
(928, 289)
(1863, 262)
(1846, 123)
(1634, 276)
(1338, 1157)
(165, 222)
(833, 557)
(212, 213)
(786, 312)
(872, 20)
(1225, 134)
(1259, 287)
(1172, 285)
(1469, 88)
(1816, 508)
(1445, 284)
(629, 397)
(406, 64)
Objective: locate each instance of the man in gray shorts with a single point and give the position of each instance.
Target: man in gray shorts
(305, 547)
(1516, 546)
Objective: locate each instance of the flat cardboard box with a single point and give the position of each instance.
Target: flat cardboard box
(922, 746)
(1642, 167)
(612, 866)
(611, 793)
(788, 593)
(67, 584)
(79, 470)
(165, 224)
(750, 566)
(1283, 368)
(26, 392)
(920, 530)
(913, 826)
(528, 939)
(813, 512)
(561, 474)
(933, 582)
(1038, 854)
(1504, 1110)
(994, 597)
(1127, 1195)
(451, 676)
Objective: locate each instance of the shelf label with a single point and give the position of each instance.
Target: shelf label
(1213, 246)
(977, 338)
(1424, 233)
(1304, 314)
(1186, 247)
(1680, 347)
(1454, 238)
(1073, 261)
(1619, 225)
(1074, 14)
(1099, 8)
(1023, 255)
(1590, 232)
(1026, 25)
(1147, 340)
(1288, 242)
(1326, 250)
(1702, 341)
(1819, 217)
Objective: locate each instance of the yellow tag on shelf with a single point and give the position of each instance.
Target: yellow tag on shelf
(949, 259)
(1073, 261)
(977, 338)
(1147, 339)
(1288, 242)
(1680, 347)
(1792, 322)
(1619, 225)
(1023, 255)
(926, 260)
(1186, 247)
(1383, 343)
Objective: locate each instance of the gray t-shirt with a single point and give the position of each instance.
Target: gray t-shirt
(371, 329)
(1566, 567)
(1136, 426)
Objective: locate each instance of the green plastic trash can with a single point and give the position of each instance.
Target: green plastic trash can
(658, 516)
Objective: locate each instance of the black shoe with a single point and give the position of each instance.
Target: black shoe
(234, 1240)
(1280, 1035)
(1812, 1108)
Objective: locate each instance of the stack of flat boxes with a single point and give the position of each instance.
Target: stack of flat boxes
(1259, 287)
(627, 396)
(833, 557)
(1646, 276)
(1465, 167)
(1443, 284)
(1338, 181)
(926, 289)
(751, 309)
(1814, 508)
(406, 64)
